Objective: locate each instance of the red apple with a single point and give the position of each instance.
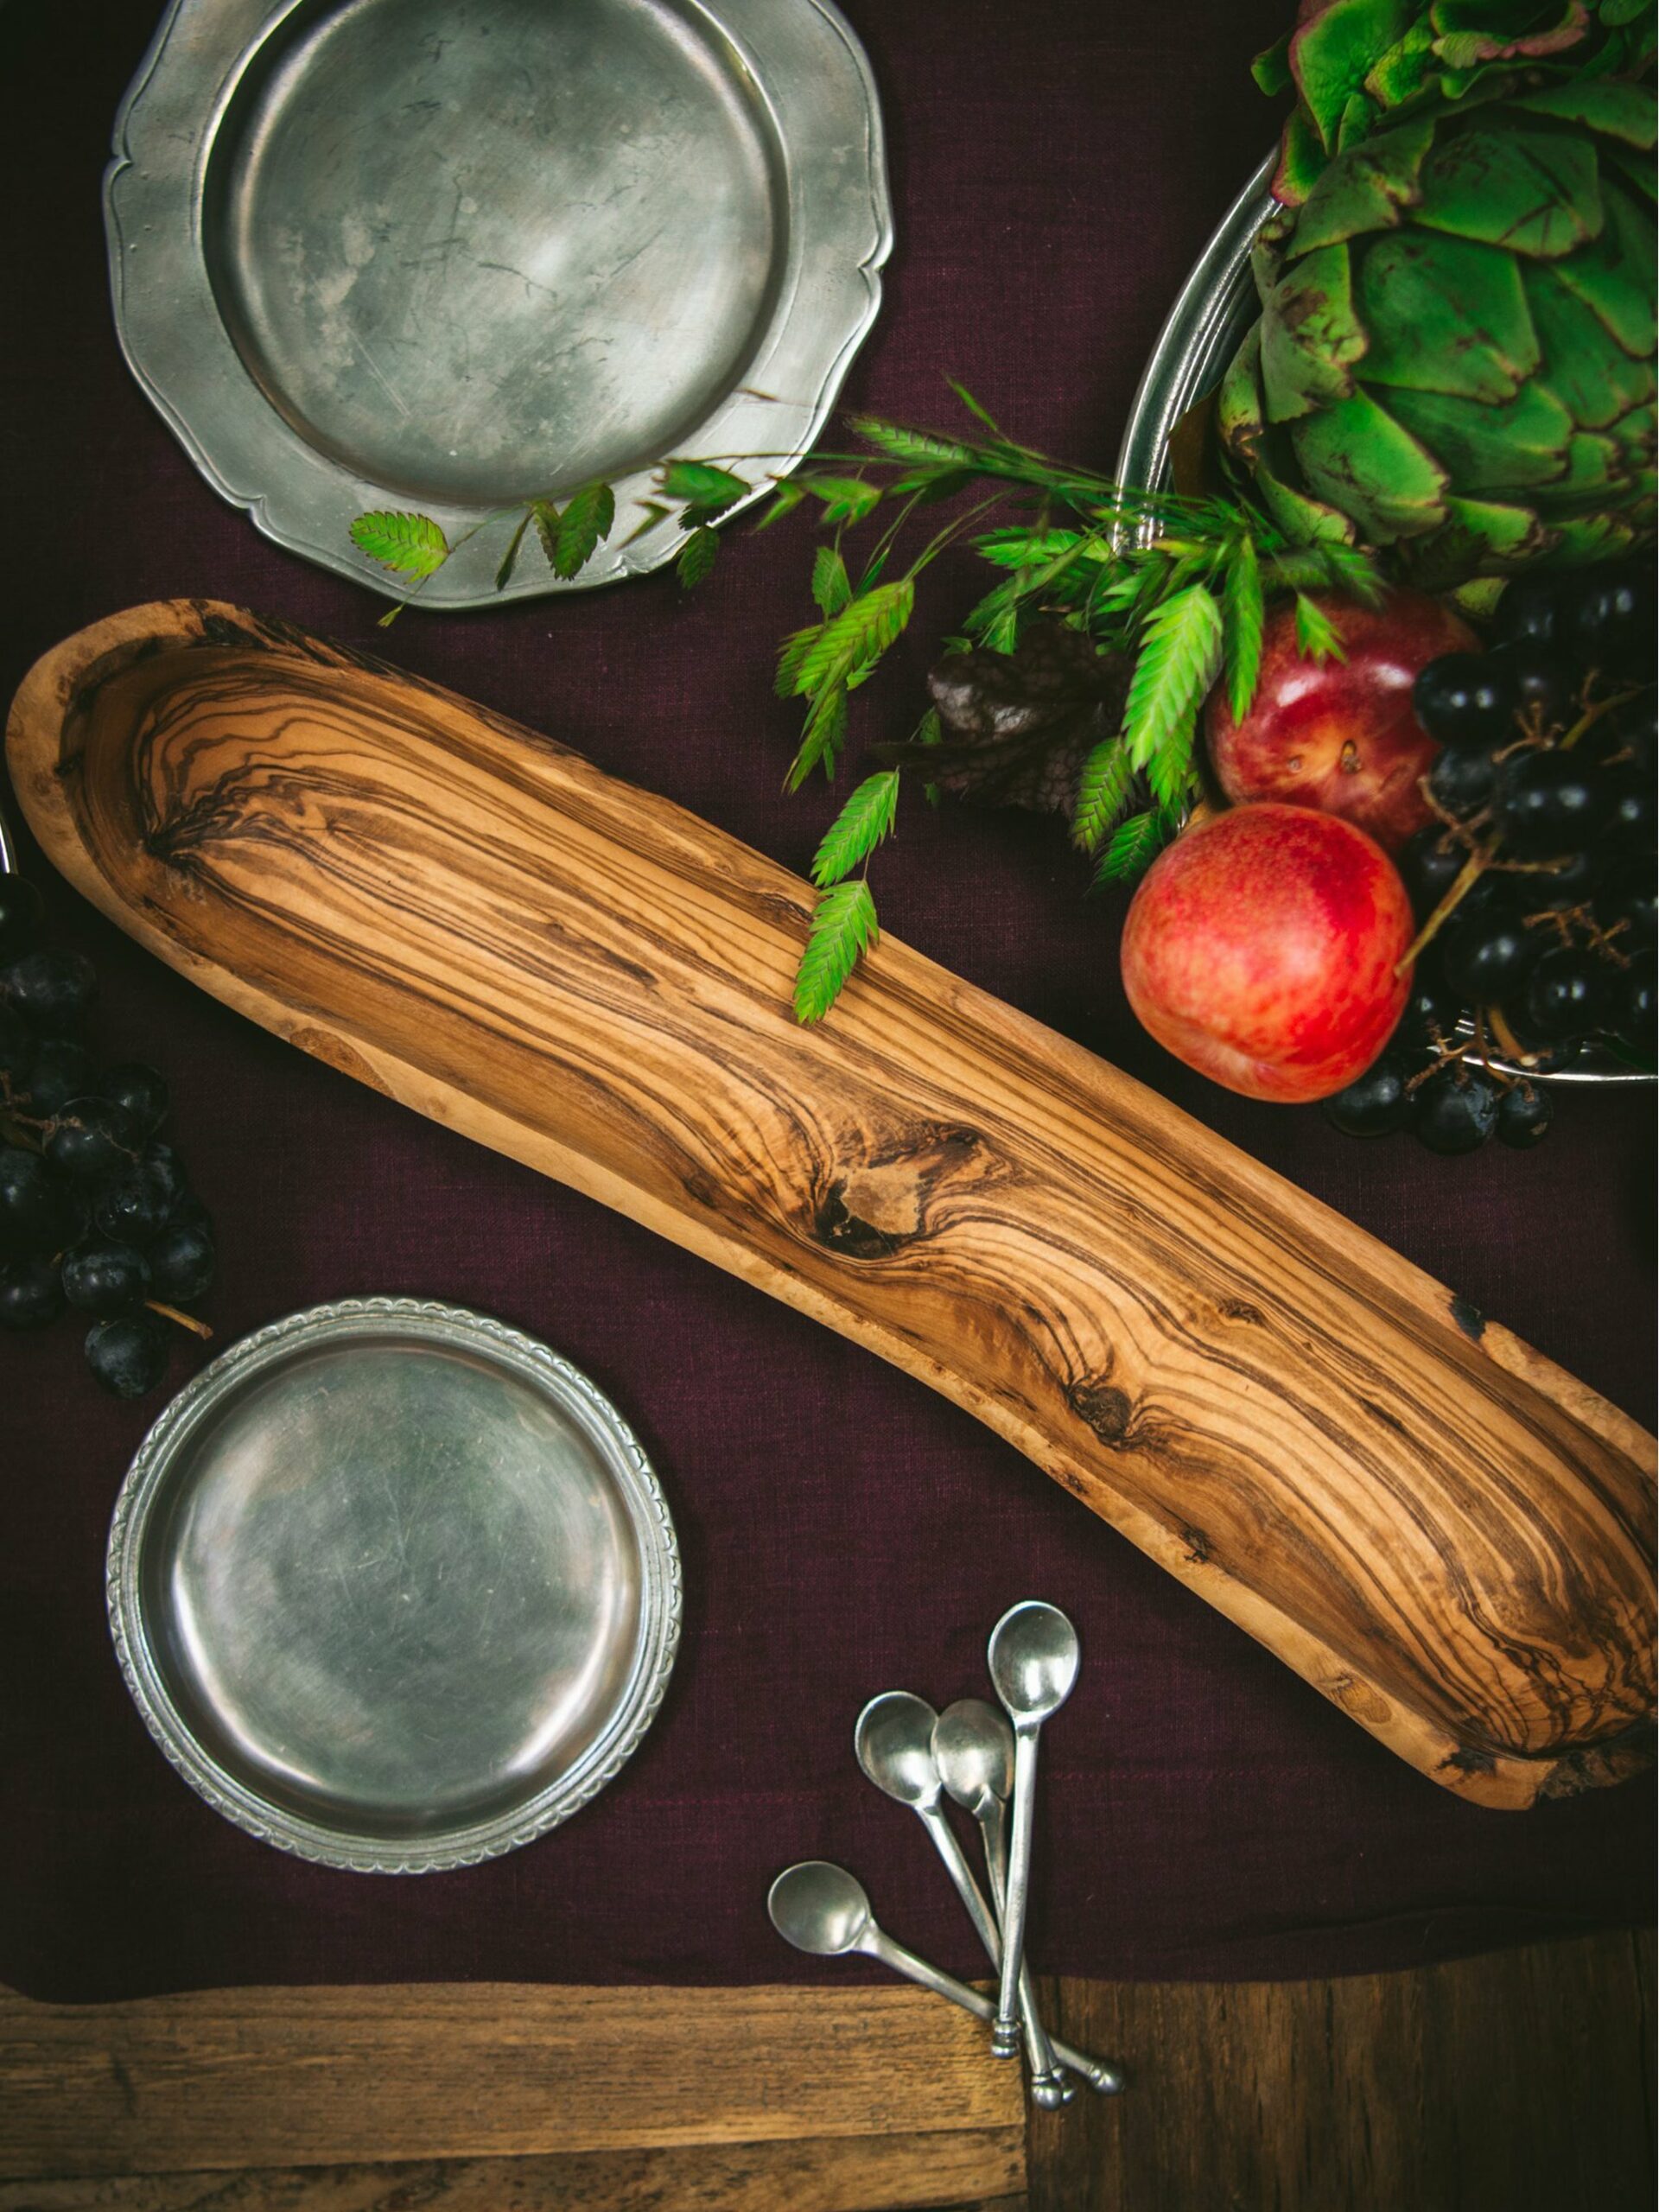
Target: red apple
(1340, 735)
(1261, 950)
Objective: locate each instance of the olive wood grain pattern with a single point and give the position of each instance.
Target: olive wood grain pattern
(1441, 1530)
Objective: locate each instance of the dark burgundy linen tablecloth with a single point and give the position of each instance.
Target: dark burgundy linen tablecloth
(1205, 1812)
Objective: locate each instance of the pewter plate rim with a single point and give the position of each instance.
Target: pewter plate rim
(153, 188)
(662, 1591)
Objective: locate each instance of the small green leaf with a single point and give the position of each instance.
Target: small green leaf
(545, 516)
(697, 557)
(843, 928)
(925, 448)
(1103, 792)
(583, 527)
(412, 544)
(1317, 638)
(699, 481)
(791, 655)
(1027, 548)
(821, 738)
(867, 818)
(974, 406)
(652, 512)
(846, 499)
(1180, 651)
(1242, 616)
(785, 500)
(1133, 848)
(510, 558)
(831, 585)
(860, 633)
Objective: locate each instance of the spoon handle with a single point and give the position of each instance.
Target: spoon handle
(1105, 2079)
(877, 1944)
(1005, 2036)
(1039, 2055)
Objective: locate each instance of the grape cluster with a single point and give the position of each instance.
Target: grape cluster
(1533, 889)
(96, 1214)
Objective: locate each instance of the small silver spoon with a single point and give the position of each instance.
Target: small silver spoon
(821, 1909)
(973, 1748)
(1033, 1658)
(893, 1739)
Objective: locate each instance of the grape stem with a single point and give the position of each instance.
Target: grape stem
(1473, 867)
(172, 1313)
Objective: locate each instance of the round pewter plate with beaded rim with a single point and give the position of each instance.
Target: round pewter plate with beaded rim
(452, 255)
(394, 1587)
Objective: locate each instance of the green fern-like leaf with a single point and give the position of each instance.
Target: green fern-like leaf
(652, 512)
(1242, 616)
(925, 448)
(1169, 772)
(1103, 792)
(822, 739)
(860, 633)
(843, 929)
(1027, 548)
(1135, 844)
(790, 655)
(1318, 637)
(583, 527)
(510, 558)
(1180, 651)
(412, 544)
(697, 557)
(545, 516)
(868, 816)
(831, 585)
(846, 499)
(785, 500)
(702, 483)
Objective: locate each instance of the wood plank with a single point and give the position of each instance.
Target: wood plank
(1446, 1534)
(854, 2173)
(1514, 2082)
(282, 2077)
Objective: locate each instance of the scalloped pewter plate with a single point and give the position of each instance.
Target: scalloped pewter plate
(448, 254)
(394, 1587)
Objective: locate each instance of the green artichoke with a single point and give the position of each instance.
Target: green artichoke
(1455, 356)
(1359, 65)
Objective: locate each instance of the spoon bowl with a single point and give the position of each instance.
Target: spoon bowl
(893, 1739)
(973, 1749)
(1033, 1656)
(819, 1908)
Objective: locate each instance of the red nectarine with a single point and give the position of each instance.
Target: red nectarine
(1340, 735)
(1261, 950)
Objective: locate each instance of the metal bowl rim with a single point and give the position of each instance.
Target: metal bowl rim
(662, 1591)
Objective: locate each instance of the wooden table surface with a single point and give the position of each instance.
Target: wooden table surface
(1521, 2079)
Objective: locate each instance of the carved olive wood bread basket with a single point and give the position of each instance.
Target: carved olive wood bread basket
(1446, 1534)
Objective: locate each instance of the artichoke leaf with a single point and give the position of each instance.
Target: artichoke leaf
(1615, 276)
(1635, 169)
(1407, 68)
(1479, 537)
(1506, 448)
(1536, 192)
(1360, 460)
(1444, 314)
(1302, 157)
(1617, 110)
(1240, 423)
(1311, 337)
(1368, 188)
(1595, 380)
(1331, 52)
